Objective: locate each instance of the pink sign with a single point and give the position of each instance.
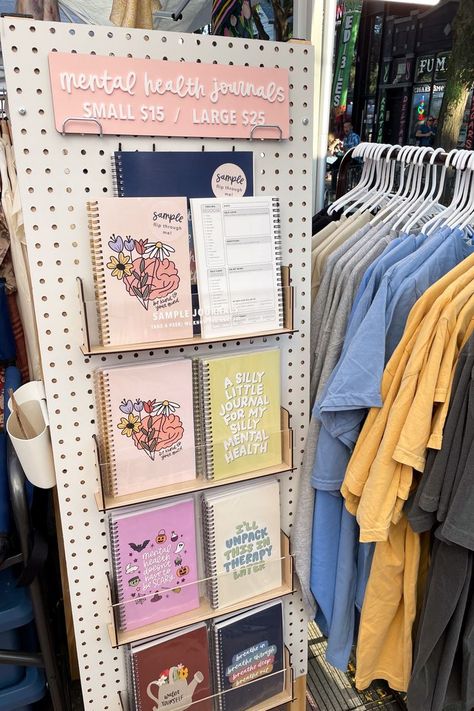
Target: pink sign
(118, 95)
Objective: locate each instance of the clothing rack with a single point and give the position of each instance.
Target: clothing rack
(390, 152)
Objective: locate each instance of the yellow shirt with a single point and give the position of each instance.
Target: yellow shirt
(430, 304)
(435, 383)
(384, 644)
(409, 420)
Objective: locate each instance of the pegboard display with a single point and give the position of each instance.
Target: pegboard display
(57, 176)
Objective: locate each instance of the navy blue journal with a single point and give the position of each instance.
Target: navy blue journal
(249, 652)
(193, 174)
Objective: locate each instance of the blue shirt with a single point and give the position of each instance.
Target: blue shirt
(340, 564)
(356, 385)
(351, 141)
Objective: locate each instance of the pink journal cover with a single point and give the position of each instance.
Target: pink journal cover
(150, 425)
(142, 269)
(155, 564)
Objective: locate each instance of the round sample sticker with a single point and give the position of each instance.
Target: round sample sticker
(229, 181)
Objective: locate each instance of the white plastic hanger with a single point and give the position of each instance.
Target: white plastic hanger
(364, 151)
(365, 199)
(406, 178)
(364, 179)
(468, 218)
(431, 224)
(459, 194)
(463, 215)
(428, 199)
(417, 190)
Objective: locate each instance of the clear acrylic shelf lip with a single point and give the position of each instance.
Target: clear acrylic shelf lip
(107, 502)
(286, 696)
(91, 346)
(205, 611)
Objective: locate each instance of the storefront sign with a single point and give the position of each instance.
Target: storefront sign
(159, 98)
(469, 143)
(381, 117)
(403, 119)
(345, 55)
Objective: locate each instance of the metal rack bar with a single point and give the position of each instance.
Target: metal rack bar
(21, 515)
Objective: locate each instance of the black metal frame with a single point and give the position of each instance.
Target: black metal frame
(46, 658)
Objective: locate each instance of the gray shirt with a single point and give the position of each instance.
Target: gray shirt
(356, 255)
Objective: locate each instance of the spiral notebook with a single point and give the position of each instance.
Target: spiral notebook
(141, 265)
(196, 174)
(154, 562)
(171, 672)
(242, 542)
(237, 242)
(146, 425)
(250, 658)
(238, 417)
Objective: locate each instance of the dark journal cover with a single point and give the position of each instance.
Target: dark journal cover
(249, 652)
(173, 672)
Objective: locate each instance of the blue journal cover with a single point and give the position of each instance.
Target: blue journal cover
(249, 651)
(193, 174)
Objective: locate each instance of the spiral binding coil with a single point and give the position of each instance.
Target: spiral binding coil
(219, 657)
(208, 450)
(116, 574)
(106, 441)
(117, 180)
(133, 679)
(99, 272)
(210, 557)
(278, 257)
(199, 434)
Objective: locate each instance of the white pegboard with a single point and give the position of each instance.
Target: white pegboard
(57, 175)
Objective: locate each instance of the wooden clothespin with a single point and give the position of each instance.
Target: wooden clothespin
(26, 428)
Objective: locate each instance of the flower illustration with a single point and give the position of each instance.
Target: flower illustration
(121, 267)
(126, 407)
(140, 245)
(246, 10)
(116, 243)
(166, 408)
(139, 404)
(162, 680)
(129, 244)
(129, 425)
(183, 672)
(158, 432)
(158, 250)
(148, 406)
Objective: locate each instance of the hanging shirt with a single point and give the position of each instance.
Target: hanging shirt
(301, 542)
(340, 566)
(432, 302)
(454, 324)
(445, 633)
(354, 386)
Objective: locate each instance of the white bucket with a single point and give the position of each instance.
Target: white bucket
(35, 454)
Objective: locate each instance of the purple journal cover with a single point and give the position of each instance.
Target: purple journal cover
(155, 563)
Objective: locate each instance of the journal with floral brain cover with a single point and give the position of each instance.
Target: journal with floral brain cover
(172, 672)
(140, 255)
(146, 425)
(154, 562)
